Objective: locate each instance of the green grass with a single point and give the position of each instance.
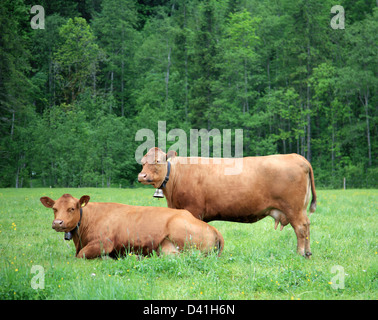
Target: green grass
(258, 262)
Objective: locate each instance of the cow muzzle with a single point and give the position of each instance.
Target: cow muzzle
(58, 225)
(143, 178)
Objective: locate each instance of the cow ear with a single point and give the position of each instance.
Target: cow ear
(154, 150)
(47, 202)
(84, 201)
(171, 154)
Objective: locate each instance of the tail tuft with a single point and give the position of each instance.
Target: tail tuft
(313, 201)
(313, 206)
(220, 243)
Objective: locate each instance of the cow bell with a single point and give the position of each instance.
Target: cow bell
(158, 193)
(67, 236)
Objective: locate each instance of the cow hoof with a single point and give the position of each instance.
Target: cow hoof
(308, 255)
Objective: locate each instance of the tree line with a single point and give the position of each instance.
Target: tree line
(73, 95)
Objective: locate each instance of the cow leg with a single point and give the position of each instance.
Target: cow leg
(167, 247)
(307, 239)
(95, 249)
(301, 227)
(90, 251)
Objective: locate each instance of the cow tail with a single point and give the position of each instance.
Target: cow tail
(313, 201)
(219, 243)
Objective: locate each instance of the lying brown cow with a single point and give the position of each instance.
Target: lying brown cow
(114, 228)
(278, 186)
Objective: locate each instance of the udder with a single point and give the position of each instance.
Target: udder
(279, 217)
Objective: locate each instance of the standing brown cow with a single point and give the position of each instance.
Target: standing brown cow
(113, 228)
(279, 186)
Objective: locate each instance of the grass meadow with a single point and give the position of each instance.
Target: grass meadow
(258, 262)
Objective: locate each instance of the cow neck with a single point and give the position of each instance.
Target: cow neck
(68, 235)
(166, 179)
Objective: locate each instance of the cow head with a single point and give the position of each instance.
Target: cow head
(154, 165)
(66, 211)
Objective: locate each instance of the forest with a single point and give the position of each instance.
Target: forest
(74, 92)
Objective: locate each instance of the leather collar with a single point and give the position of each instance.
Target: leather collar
(166, 179)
